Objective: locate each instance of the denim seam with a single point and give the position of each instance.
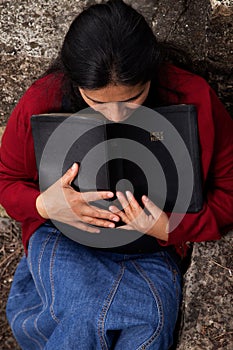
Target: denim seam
(37, 289)
(19, 295)
(45, 303)
(175, 273)
(155, 294)
(169, 265)
(26, 333)
(105, 308)
(30, 264)
(29, 253)
(21, 312)
(52, 260)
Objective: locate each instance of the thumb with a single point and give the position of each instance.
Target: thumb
(69, 176)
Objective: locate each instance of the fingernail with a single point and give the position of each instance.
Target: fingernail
(115, 218)
(73, 166)
(111, 225)
(110, 194)
(145, 198)
(129, 194)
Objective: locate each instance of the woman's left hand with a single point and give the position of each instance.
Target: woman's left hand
(155, 224)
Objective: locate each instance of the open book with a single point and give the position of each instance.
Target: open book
(153, 152)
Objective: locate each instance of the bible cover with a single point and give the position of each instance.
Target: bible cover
(159, 158)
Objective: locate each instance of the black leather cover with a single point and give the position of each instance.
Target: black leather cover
(80, 133)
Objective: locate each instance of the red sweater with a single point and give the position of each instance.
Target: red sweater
(19, 176)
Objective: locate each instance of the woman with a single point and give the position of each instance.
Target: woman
(69, 296)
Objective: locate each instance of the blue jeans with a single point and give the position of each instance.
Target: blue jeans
(66, 296)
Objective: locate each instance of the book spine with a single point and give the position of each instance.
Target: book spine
(194, 150)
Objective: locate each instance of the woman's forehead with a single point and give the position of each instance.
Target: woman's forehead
(115, 93)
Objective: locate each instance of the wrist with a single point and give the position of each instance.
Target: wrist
(40, 207)
(161, 228)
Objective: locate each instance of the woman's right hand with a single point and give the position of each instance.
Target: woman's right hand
(62, 203)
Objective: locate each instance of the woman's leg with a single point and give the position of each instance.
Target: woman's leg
(64, 286)
(143, 312)
(125, 302)
(24, 304)
(75, 297)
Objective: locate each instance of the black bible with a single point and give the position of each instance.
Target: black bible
(153, 152)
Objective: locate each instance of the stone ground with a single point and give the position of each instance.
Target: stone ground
(31, 33)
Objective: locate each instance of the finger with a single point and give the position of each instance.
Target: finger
(114, 209)
(124, 202)
(69, 176)
(126, 227)
(133, 210)
(96, 212)
(84, 227)
(132, 201)
(121, 214)
(101, 213)
(98, 222)
(151, 207)
(95, 196)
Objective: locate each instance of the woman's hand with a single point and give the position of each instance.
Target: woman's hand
(155, 224)
(62, 203)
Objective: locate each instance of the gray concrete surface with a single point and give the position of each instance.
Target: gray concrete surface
(208, 297)
(32, 32)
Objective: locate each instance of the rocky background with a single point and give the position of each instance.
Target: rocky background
(30, 36)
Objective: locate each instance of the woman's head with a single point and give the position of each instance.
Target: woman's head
(109, 44)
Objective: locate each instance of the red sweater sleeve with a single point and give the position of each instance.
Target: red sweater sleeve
(216, 142)
(19, 178)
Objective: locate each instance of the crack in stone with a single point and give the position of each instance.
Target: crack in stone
(185, 9)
